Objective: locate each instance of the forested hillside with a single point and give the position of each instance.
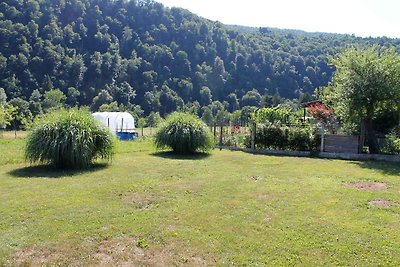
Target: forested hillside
(145, 57)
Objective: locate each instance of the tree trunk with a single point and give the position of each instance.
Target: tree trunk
(371, 138)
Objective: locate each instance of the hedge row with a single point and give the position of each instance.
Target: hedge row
(278, 137)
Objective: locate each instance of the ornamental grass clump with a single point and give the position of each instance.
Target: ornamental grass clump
(68, 139)
(184, 134)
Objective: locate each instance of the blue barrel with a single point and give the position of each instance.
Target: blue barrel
(126, 136)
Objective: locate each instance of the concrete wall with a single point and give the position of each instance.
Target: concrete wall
(326, 155)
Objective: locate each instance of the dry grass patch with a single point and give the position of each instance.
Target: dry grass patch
(382, 203)
(131, 252)
(369, 186)
(254, 178)
(124, 251)
(141, 200)
(121, 252)
(188, 186)
(268, 218)
(38, 256)
(264, 196)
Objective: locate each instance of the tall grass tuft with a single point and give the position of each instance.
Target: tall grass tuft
(68, 139)
(184, 133)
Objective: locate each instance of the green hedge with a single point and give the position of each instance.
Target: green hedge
(277, 137)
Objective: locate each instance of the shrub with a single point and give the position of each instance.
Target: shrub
(184, 133)
(229, 140)
(271, 136)
(274, 136)
(391, 145)
(299, 139)
(68, 139)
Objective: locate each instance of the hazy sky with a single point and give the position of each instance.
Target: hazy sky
(359, 17)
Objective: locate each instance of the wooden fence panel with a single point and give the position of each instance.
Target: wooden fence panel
(341, 143)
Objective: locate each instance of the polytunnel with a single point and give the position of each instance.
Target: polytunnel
(120, 123)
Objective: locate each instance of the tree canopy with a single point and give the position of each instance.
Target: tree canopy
(366, 81)
(149, 58)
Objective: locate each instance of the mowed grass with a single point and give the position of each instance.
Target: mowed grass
(150, 208)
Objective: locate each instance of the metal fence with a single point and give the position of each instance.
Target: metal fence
(239, 136)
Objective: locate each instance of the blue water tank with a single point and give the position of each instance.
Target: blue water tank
(125, 136)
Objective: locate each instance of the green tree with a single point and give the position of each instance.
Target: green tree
(205, 96)
(153, 119)
(141, 123)
(54, 99)
(252, 98)
(192, 108)
(102, 98)
(233, 102)
(207, 116)
(365, 80)
(222, 117)
(21, 115)
(132, 48)
(236, 117)
(136, 111)
(3, 97)
(246, 113)
(72, 96)
(35, 103)
(6, 115)
(112, 107)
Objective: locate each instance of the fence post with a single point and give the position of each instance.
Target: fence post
(362, 138)
(322, 138)
(253, 135)
(220, 138)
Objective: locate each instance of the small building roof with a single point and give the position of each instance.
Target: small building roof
(311, 103)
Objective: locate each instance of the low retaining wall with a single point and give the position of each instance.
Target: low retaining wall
(325, 155)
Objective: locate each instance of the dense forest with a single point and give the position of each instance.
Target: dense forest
(144, 57)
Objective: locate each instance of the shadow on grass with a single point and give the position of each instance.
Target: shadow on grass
(172, 155)
(390, 168)
(46, 171)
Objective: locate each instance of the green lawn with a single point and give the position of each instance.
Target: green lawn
(226, 208)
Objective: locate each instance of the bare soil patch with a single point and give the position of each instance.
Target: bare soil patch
(141, 201)
(124, 251)
(268, 218)
(130, 252)
(383, 203)
(254, 178)
(36, 256)
(11, 134)
(265, 197)
(189, 185)
(369, 186)
(121, 252)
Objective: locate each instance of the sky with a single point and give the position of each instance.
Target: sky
(360, 17)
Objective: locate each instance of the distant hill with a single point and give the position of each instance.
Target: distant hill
(140, 53)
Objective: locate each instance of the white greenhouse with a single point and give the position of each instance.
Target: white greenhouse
(120, 123)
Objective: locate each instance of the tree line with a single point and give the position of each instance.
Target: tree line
(145, 58)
